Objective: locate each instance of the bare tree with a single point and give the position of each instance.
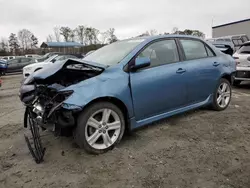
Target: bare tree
(80, 32)
(49, 38)
(152, 32)
(104, 37)
(24, 36)
(111, 35)
(72, 35)
(57, 34)
(175, 30)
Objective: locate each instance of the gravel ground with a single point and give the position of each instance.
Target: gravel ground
(201, 148)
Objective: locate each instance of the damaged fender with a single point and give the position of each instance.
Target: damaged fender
(110, 83)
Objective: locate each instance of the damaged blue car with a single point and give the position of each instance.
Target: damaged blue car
(126, 85)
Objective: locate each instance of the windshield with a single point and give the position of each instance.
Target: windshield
(113, 53)
(244, 49)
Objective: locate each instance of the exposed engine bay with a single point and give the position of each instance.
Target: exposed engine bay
(43, 97)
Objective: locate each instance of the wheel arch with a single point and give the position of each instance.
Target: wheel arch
(228, 77)
(121, 105)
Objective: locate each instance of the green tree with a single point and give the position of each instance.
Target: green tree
(34, 41)
(65, 32)
(91, 34)
(13, 43)
(188, 32)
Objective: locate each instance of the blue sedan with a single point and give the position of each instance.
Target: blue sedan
(3, 67)
(126, 85)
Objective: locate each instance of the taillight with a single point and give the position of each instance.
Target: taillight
(237, 61)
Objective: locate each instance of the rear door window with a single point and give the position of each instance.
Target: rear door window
(25, 60)
(193, 49)
(210, 53)
(14, 61)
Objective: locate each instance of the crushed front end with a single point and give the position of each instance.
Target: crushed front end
(44, 94)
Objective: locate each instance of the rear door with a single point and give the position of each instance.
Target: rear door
(25, 61)
(13, 65)
(162, 86)
(203, 69)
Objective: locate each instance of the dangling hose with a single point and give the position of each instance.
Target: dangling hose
(36, 149)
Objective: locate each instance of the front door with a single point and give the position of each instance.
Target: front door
(162, 86)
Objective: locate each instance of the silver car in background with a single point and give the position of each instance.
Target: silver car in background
(242, 58)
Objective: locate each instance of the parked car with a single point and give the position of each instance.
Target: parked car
(29, 69)
(3, 66)
(126, 85)
(17, 64)
(33, 56)
(8, 57)
(48, 55)
(235, 40)
(242, 57)
(225, 47)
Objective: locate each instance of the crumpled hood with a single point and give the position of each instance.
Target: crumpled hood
(55, 67)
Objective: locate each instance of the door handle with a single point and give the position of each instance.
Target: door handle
(180, 70)
(216, 64)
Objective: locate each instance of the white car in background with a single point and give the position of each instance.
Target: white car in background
(242, 58)
(29, 69)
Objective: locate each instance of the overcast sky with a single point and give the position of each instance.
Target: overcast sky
(128, 17)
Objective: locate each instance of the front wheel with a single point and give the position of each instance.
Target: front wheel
(99, 128)
(222, 95)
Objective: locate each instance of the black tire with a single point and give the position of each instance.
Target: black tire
(236, 82)
(79, 132)
(215, 105)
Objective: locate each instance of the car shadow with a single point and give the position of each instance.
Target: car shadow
(175, 120)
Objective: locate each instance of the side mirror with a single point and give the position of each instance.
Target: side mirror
(140, 62)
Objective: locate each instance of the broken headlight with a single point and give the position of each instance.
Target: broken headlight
(63, 95)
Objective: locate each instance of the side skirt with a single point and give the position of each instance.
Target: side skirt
(136, 124)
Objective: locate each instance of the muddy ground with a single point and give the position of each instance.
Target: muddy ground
(198, 149)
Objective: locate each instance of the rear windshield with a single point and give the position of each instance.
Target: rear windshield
(245, 49)
(245, 38)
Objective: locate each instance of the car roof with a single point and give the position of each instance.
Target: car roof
(151, 38)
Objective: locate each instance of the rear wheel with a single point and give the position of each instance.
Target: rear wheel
(222, 95)
(99, 128)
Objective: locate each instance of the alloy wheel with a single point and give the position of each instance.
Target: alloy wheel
(103, 128)
(223, 95)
